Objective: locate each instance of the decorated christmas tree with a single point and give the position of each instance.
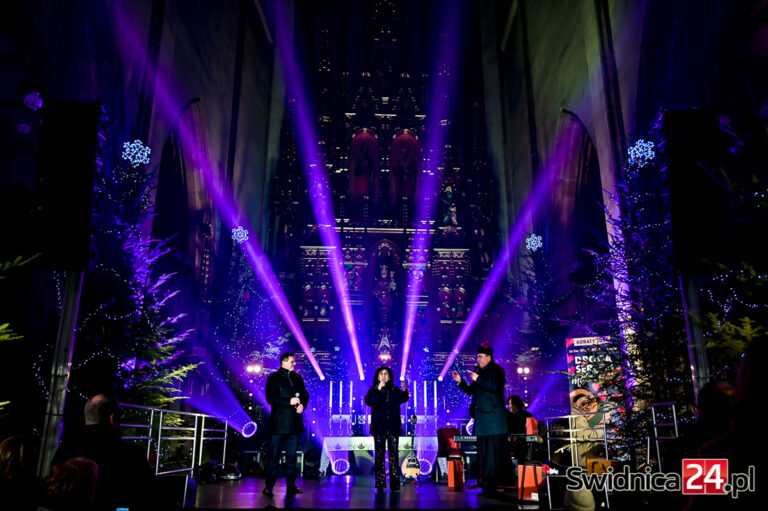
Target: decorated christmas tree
(126, 342)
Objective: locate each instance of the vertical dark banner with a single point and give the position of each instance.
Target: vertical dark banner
(61, 212)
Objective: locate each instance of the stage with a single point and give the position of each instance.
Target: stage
(347, 492)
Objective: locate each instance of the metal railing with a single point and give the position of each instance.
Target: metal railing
(574, 433)
(664, 426)
(167, 426)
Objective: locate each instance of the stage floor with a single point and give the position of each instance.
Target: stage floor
(346, 492)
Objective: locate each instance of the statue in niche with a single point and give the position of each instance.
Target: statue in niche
(481, 242)
(448, 204)
(353, 278)
(308, 300)
(324, 301)
(444, 298)
(385, 288)
(459, 297)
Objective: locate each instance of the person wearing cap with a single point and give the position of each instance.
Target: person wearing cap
(488, 411)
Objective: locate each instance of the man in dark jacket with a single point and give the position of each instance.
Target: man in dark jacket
(385, 399)
(288, 398)
(517, 417)
(487, 408)
(125, 479)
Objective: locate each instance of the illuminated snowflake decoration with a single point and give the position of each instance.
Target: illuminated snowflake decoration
(533, 242)
(641, 153)
(239, 234)
(136, 153)
(426, 349)
(313, 349)
(336, 348)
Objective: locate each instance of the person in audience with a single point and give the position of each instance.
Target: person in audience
(71, 486)
(18, 485)
(125, 477)
(740, 445)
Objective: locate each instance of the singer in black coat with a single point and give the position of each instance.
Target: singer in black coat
(283, 385)
(487, 408)
(286, 421)
(385, 398)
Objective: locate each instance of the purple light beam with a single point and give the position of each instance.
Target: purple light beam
(443, 86)
(316, 176)
(220, 192)
(536, 196)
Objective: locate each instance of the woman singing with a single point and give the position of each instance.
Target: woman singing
(385, 400)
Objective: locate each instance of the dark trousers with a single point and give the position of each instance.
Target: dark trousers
(278, 444)
(380, 442)
(492, 448)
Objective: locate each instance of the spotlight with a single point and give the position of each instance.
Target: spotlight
(257, 368)
(385, 357)
(519, 370)
(33, 101)
(249, 429)
(527, 370)
(439, 378)
(249, 369)
(340, 467)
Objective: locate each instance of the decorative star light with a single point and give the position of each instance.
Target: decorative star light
(313, 349)
(136, 153)
(426, 349)
(239, 234)
(641, 153)
(533, 242)
(336, 348)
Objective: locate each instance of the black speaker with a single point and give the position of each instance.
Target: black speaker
(698, 192)
(63, 195)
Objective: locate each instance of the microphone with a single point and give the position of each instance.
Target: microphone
(476, 369)
(297, 396)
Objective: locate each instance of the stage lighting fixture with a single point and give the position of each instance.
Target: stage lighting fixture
(249, 369)
(257, 368)
(519, 370)
(249, 429)
(340, 467)
(527, 370)
(33, 101)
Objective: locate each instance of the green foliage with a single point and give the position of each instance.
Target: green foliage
(730, 338)
(536, 294)
(735, 311)
(16, 263)
(126, 339)
(634, 280)
(7, 334)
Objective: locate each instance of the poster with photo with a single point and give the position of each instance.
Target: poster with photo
(588, 357)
